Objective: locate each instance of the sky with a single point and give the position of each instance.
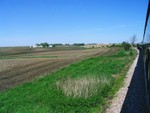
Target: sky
(27, 22)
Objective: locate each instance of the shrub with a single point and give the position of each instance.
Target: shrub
(126, 46)
(122, 53)
(131, 53)
(45, 45)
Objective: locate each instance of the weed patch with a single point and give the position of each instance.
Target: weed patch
(83, 87)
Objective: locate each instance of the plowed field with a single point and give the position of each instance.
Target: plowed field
(19, 67)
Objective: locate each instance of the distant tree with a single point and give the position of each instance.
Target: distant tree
(133, 40)
(57, 44)
(126, 46)
(45, 45)
(78, 44)
(113, 45)
(37, 45)
(53, 45)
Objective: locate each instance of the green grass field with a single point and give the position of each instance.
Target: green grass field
(82, 87)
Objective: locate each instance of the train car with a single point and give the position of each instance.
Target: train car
(144, 47)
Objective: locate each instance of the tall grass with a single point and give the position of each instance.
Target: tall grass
(83, 87)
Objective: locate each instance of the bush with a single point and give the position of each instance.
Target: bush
(78, 44)
(126, 46)
(45, 45)
(131, 53)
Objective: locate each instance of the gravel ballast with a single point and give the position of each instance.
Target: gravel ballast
(131, 98)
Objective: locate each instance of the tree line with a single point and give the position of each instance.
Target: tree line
(46, 45)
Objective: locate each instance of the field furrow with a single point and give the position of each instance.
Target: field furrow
(16, 71)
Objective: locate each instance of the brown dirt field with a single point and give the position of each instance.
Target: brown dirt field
(16, 71)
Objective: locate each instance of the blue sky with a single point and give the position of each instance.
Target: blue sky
(27, 22)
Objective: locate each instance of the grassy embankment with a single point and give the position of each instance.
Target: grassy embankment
(81, 87)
